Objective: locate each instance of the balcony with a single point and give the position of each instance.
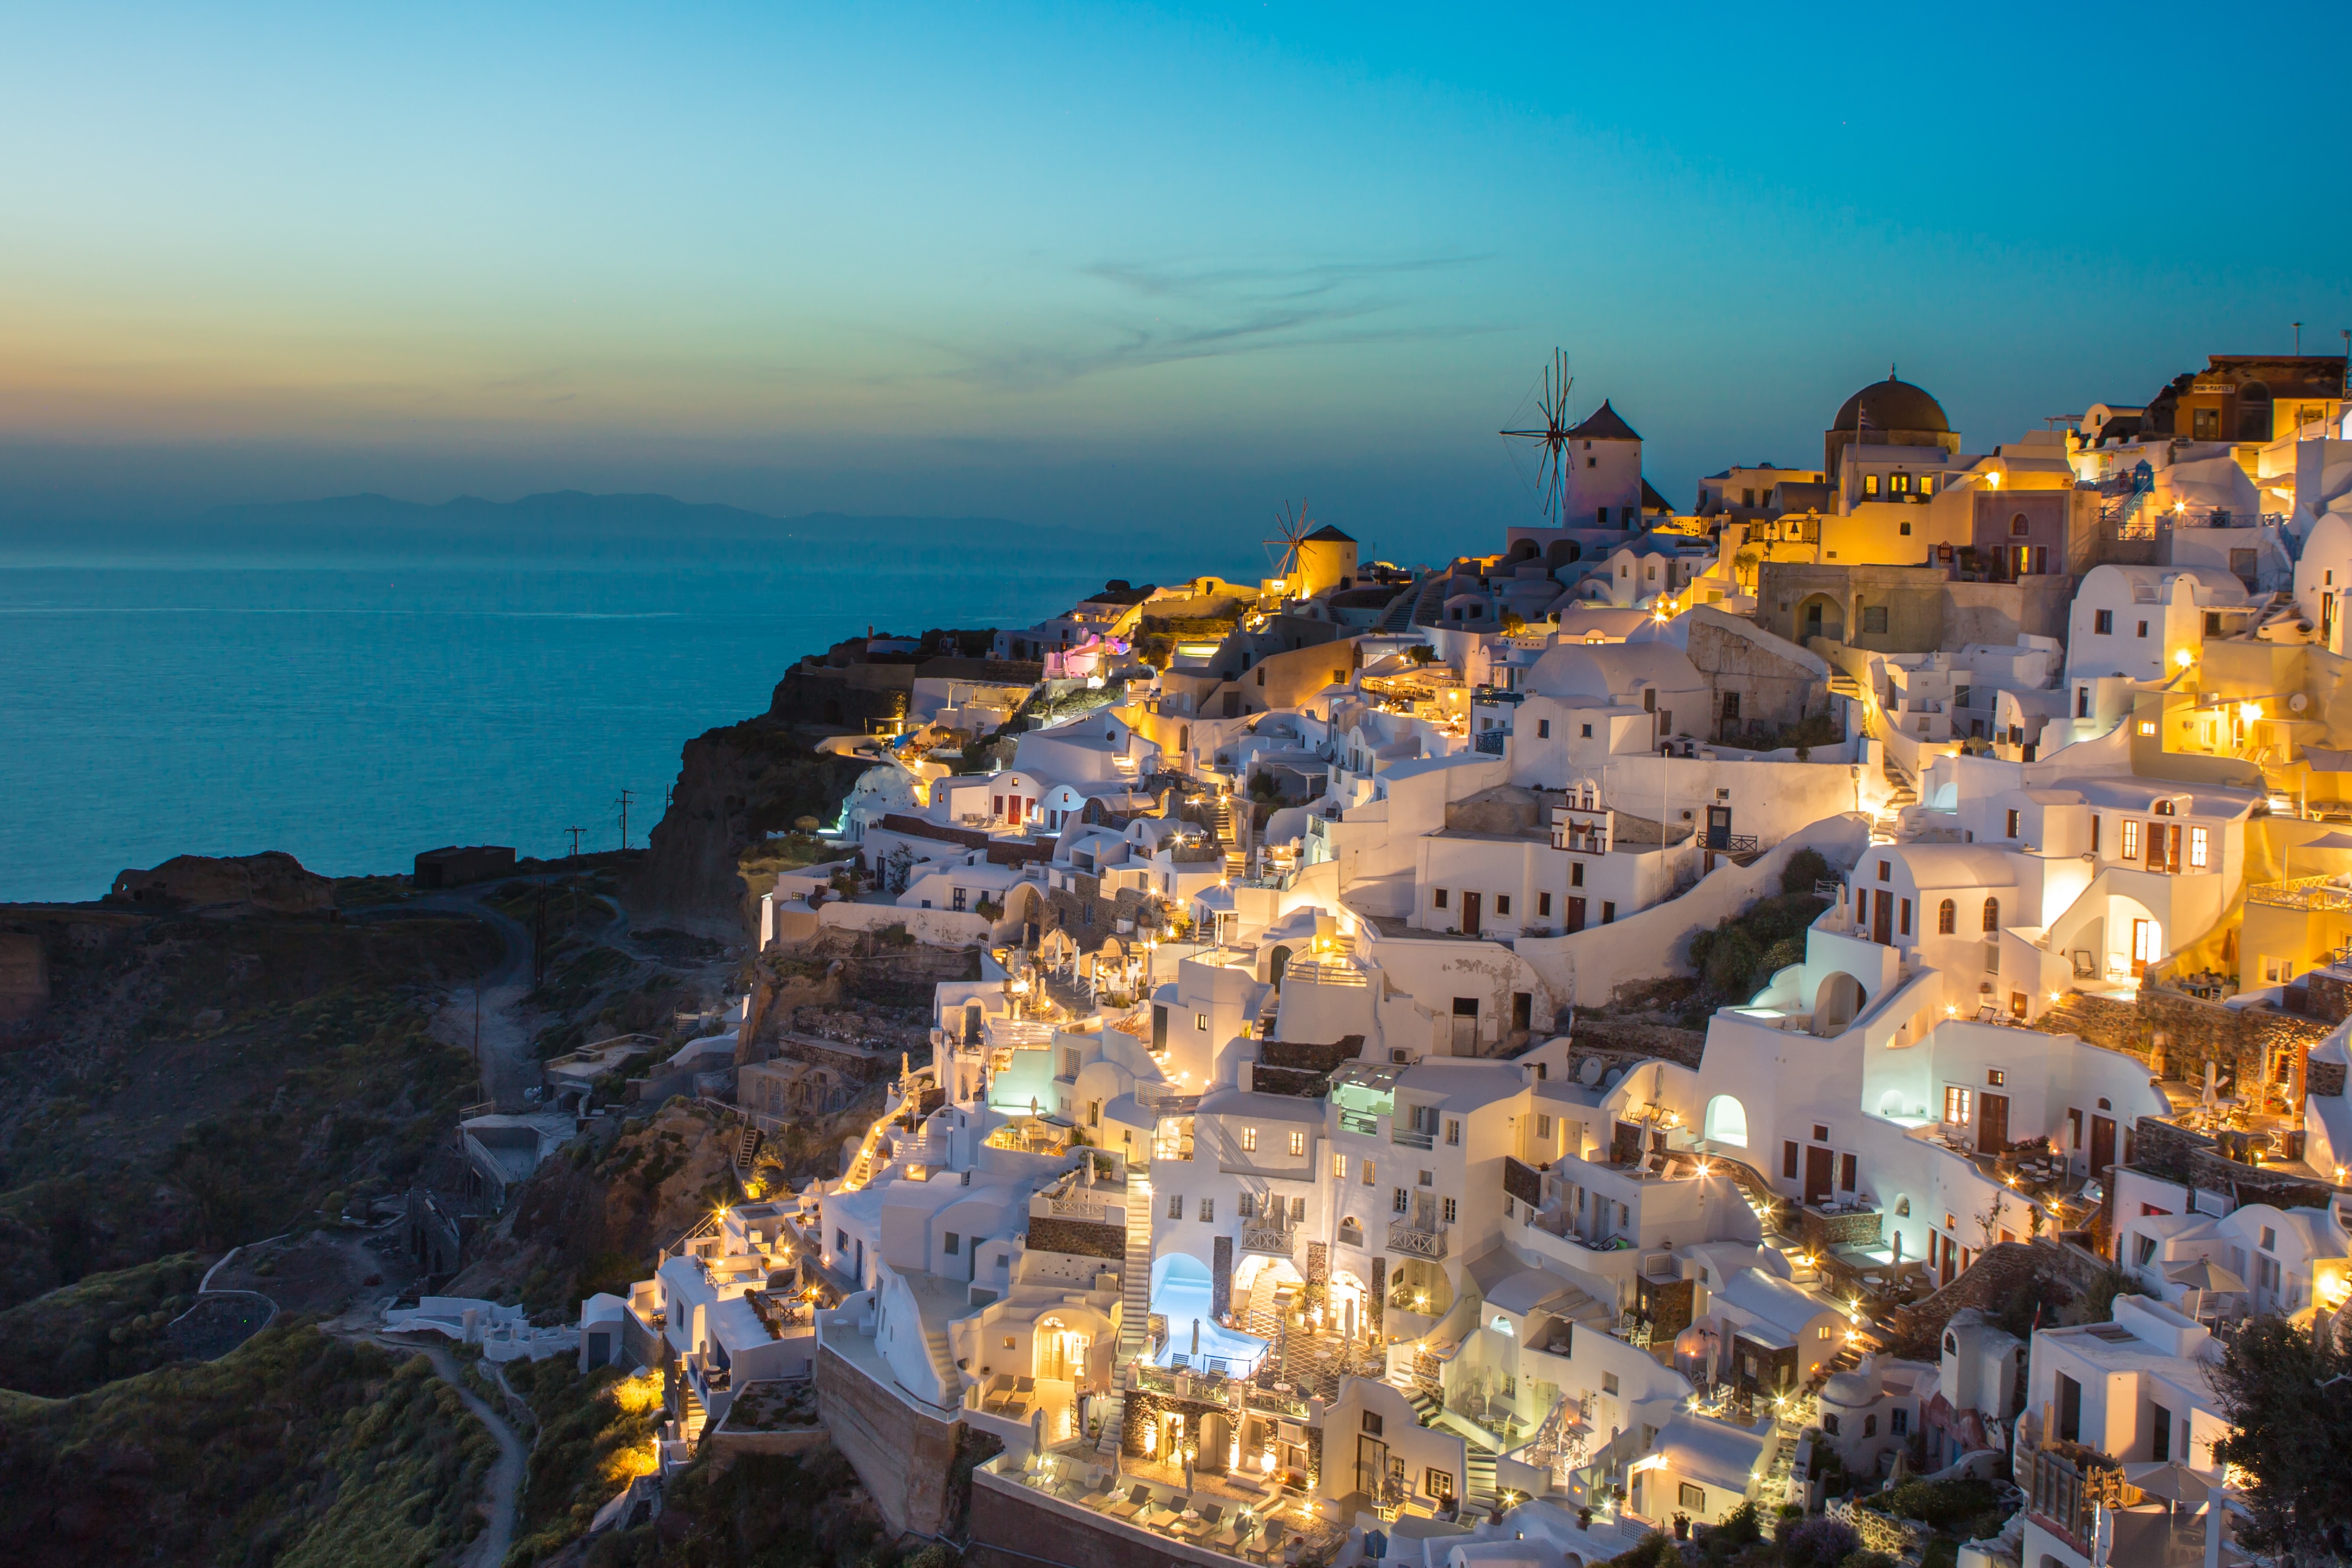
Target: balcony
(1490, 741)
(1410, 1139)
(1274, 1240)
(1361, 1123)
(2306, 893)
(1415, 1242)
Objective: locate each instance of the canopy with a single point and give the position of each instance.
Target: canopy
(2203, 1274)
(2329, 841)
(2172, 1481)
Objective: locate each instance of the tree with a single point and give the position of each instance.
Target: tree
(2288, 1395)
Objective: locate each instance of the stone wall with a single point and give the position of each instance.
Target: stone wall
(1085, 1237)
(1013, 1526)
(2239, 1041)
(1987, 1284)
(905, 1458)
(2195, 1160)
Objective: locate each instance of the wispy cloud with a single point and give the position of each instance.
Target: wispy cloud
(1208, 312)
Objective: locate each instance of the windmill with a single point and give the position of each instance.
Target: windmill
(1290, 526)
(1551, 438)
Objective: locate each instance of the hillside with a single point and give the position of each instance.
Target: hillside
(294, 1449)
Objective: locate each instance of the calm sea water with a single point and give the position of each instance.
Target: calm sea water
(356, 711)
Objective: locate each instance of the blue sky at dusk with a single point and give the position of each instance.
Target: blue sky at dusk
(1154, 265)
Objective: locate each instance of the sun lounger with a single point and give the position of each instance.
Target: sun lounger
(1137, 1500)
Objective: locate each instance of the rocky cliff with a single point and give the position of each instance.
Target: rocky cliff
(735, 785)
(273, 882)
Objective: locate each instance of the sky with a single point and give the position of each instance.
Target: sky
(1150, 267)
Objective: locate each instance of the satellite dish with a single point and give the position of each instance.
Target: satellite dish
(1609, 1078)
(1589, 1073)
(2297, 702)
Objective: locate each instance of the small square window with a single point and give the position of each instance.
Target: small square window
(1429, 1178)
(1502, 903)
(1543, 729)
(1608, 1382)
(954, 1244)
(1543, 903)
(1588, 732)
(1687, 1495)
(1995, 1078)
(1437, 897)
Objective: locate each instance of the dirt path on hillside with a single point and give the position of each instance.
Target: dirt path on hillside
(504, 1489)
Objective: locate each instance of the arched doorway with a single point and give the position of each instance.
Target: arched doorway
(1837, 1001)
(1726, 1121)
(1276, 962)
(1821, 615)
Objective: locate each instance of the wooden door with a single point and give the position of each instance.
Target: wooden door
(1470, 902)
(1992, 1124)
(2143, 946)
(1882, 920)
(1818, 1164)
(1575, 913)
(1371, 1464)
(2103, 1145)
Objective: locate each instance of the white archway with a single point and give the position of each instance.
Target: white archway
(1837, 1002)
(1726, 1121)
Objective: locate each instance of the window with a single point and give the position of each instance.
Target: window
(1789, 1160)
(1956, 1105)
(2012, 824)
(1588, 734)
(1437, 897)
(2069, 1409)
(1693, 1498)
(2159, 1433)
(1448, 1211)
(1502, 903)
(1884, 874)
(2197, 848)
(1946, 917)
(1821, 1133)
(1992, 915)
(1399, 1201)
(1543, 729)
(1372, 1425)
(1543, 1129)
(1898, 1422)
(1298, 1143)
(1429, 1178)
(1249, 1140)
(953, 1244)
(1454, 1130)
(1905, 526)
(2269, 1239)
(1904, 914)
(1339, 1167)
(1874, 617)
(1208, 1211)
(1245, 1205)
(1576, 873)
(2142, 629)
(1830, 1424)
(1608, 911)
(1434, 1482)
(1870, 1425)
(1200, 1022)
(2131, 839)
(1870, 485)
(1608, 1382)
(1543, 904)
(2143, 1251)
(1175, 1205)
(1298, 1209)
(1370, 1179)
(1995, 1078)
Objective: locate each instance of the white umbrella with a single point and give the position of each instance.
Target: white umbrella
(2203, 1276)
(2172, 1481)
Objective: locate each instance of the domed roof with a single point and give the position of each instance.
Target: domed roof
(1894, 406)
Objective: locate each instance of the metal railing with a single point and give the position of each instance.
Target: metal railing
(1410, 1139)
(1359, 1123)
(2300, 893)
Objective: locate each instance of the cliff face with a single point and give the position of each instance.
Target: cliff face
(734, 786)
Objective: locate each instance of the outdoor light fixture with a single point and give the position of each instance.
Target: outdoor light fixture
(2184, 658)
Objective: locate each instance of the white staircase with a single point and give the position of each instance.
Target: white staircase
(935, 1342)
(1135, 1306)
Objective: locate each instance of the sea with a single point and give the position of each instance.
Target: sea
(354, 706)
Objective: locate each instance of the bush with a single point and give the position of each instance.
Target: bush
(1818, 1543)
(1740, 1527)
(1804, 868)
(2099, 1298)
(1943, 1504)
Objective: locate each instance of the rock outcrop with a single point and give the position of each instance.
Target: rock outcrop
(273, 882)
(734, 786)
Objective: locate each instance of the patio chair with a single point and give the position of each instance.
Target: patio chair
(1238, 1529)
(1101, 1492)
(1139, 1498)
(1025, 1386)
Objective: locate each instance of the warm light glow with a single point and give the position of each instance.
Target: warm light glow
(1993, 480)
(2184, 658)
(2249, 711)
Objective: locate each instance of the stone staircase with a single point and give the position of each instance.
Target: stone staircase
(1398, 615)
(935, 1345)
(1425, 1408)
(1479, 1464)
(1907, 793)
(1134, 1309)
(1236, 854)
(691, 1417)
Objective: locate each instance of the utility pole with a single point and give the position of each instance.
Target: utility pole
(575, 833)
(625, 819)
